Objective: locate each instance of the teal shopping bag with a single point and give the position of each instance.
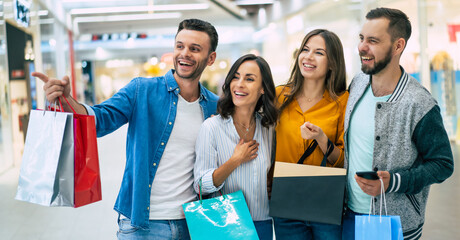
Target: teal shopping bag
(224, 218)
(378, 227)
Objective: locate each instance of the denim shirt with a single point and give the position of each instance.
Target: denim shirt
(149, 105)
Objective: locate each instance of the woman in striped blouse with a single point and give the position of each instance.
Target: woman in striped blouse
(233, 149)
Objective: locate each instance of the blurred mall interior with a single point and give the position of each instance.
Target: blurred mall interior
(101, 45)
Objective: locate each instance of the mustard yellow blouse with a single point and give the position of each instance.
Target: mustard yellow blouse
(326, 114)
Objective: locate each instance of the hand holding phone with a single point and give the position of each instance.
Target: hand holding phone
(371, 175)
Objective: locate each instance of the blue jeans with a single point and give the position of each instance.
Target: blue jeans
(348, 224)
(288, 229)
(159, 230)
(264, 229)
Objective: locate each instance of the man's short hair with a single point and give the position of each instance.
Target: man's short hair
(399, 26)
(202, 26)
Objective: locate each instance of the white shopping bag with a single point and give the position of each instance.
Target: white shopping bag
(46, 176)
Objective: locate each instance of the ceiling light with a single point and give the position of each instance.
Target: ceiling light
(262, 17)
(133, 17)
(223, 64)
(43, 13)
(46, 21)
(254, 2)
(82, 1)
(52, 42)
(40, 13)
(153, 60)
(124, 36)
(127, 9)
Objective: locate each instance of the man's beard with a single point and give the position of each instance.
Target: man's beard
(378, 66)
(200, 66)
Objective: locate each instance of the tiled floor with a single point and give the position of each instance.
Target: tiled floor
(21, 220)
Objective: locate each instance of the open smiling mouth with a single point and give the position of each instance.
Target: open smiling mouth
(366, 59)
(240, 93)
(185, 63)
(308, 66)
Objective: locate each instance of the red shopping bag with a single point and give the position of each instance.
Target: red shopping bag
(87, 177)
(87, 182)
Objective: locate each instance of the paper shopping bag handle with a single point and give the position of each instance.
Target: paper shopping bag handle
(67, 103)
(199, 192)
(54, 109)
(312, 147)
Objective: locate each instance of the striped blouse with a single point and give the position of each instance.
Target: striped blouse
(214, 146)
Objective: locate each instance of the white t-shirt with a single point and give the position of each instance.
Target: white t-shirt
(173, 182)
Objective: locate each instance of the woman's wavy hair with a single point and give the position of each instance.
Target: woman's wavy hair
(336, 80)
(265, 105)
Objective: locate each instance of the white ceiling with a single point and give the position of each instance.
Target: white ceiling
(234, 23)
(109, 16)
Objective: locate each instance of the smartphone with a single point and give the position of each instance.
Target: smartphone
(371, 175)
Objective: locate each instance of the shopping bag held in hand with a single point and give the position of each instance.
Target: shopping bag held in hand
(46, 176)
(378, 227)
(86, 165)
(306, 192)
(60, 163)
(224, 218)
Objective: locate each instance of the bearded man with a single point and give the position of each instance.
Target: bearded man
(393, 126)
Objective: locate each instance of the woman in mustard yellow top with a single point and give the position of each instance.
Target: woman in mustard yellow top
(312, 106)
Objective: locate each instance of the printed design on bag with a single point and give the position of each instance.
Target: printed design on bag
(225, 217)
(231, 216)
(414, 202)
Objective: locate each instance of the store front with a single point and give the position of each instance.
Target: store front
(18, 89)
(28, 43)
(6, 153)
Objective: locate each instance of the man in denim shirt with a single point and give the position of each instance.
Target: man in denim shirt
(164, 116)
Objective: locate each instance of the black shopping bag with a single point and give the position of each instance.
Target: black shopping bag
(308, 193)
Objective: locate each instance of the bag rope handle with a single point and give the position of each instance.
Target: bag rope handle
(199, 192)
(382, 201)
